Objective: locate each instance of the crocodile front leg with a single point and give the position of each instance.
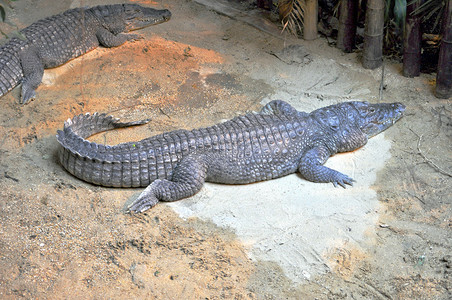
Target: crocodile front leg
(187, 179)
(311, 167)
(33, 70)
(110, 40)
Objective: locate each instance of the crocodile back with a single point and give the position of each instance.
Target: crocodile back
(248, 148)
(62, 37)
(57, 39)
(10, 69)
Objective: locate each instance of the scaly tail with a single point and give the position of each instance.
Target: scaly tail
(82, 126)
(77, 154)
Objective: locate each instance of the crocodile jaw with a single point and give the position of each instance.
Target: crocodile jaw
(380, 117)
(145, 16)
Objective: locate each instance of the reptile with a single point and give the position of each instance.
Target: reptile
(55, 40)
(277, 141)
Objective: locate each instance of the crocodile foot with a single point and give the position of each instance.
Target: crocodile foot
(342, 180)
(145, 200)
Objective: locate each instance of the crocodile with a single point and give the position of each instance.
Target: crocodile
(277, 141)
(55, 40)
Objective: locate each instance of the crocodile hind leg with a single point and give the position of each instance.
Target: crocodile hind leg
(33, 70)
(281, 108)
(187, 179)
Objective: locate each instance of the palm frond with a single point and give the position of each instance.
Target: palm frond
(292, 15)
(429, 9)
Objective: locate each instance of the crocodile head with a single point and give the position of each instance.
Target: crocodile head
(375, 118)
(127, 17)
(363, 120)
(347, 126)
(137, 16)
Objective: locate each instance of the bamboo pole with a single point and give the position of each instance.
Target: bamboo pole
(444, 74)
(373, 34)
(310, 20)
(362, 12)
(348, 15)
(412, 41)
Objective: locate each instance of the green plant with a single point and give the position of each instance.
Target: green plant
(3, 5)
(431, 9)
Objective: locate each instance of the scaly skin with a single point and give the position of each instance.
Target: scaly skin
(55, 40)
(254, 147)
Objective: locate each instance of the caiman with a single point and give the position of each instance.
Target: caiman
(55, 40)
(273, 143)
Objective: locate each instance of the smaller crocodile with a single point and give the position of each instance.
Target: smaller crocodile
(55, 40)
(260, 146)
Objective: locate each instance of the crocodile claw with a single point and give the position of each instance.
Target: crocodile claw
(342, 180)
(145, 201)
(132, 37)
(27, 94)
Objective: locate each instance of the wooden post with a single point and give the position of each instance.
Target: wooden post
(412, 41)
(348, 14)
(310, 20)
(444, 74)
(373, 34)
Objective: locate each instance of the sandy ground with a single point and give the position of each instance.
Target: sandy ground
(388, 237)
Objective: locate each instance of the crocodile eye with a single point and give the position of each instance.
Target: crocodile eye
(371, 110)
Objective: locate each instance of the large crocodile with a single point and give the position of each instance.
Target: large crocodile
(254, 147)
(55, 40)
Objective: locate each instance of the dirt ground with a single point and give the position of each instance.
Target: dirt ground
(63, 238)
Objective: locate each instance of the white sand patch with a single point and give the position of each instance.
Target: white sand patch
(292, 221)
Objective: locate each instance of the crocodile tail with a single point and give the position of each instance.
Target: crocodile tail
(92, 162)
(77, 129)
